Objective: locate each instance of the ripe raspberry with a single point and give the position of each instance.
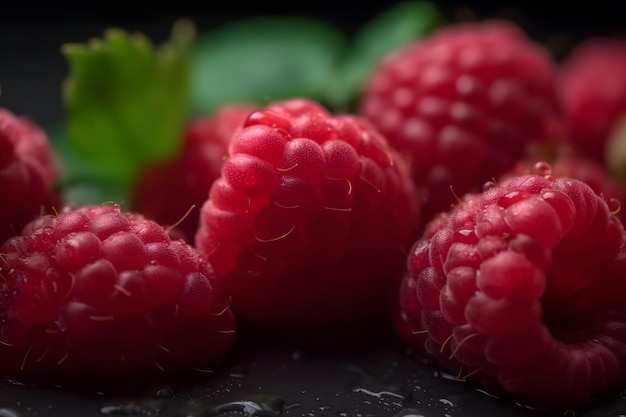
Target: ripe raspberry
(307, 223)
(28, 173)
(522, 290)
(592, 90)
(97, 291)
(569, 164)
(165, 192)
(464, 104)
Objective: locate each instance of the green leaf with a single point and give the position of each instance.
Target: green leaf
(400, 25)
(264, 59)
(126, 100)
(83, 183)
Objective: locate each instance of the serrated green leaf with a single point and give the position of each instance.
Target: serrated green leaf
(126, 100)
(264, 59)
(400, 25)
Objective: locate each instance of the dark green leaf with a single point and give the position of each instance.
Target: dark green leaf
(264, 59)
(126, 100)
(402, 24)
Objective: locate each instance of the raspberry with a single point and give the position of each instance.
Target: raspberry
(570, 164)
(28, 172)
(165, 192)
(521, 289)
(463, 104)
(307, 223)
(592, 90)
(100, 292)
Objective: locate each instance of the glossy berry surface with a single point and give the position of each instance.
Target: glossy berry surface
(521, 289)
(308, 224)
(567, 163)
(99, 292)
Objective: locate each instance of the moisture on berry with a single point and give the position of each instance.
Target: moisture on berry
(521, 289)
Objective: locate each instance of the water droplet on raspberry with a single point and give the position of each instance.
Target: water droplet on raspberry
(511, 198)
(614, 205)
(541, 168)
(267, 118)
(489, 185)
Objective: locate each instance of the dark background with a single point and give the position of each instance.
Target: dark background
(31, 34)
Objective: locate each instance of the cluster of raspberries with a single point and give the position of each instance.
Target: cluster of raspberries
(465, 203)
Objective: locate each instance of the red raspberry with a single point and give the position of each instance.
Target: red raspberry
(28, 173)
(569, 164)
(592, 90)
(165, 192)
(307, 223)
(97, 291)
(522, 289)
(463, 104)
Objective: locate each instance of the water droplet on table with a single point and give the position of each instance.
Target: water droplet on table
(5, 412)
(252, 406)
